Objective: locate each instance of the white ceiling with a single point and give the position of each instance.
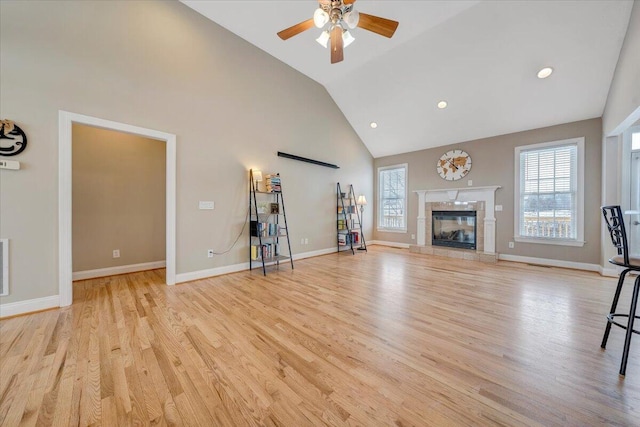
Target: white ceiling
(480, 56)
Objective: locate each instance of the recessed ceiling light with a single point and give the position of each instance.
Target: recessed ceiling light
(442, 104)
(545, 72)
(373, 125)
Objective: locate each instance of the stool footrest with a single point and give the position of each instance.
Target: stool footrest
(610, 317)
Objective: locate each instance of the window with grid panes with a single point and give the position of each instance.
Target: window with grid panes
(392, 198)
(549, 192)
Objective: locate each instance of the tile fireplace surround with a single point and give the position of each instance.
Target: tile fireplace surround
(479, 199)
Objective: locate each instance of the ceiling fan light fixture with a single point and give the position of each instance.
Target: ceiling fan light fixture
(323, 39)
(320, 17)
(545, 72)
(442, 104)
(351, 18)
(347, 38)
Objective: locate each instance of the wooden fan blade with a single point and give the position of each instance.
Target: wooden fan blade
(295, 29)
(336, 45)
(384, 27)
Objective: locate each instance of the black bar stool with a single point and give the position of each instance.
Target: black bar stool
(615, 224)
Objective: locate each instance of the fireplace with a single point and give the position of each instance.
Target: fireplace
(454, 229)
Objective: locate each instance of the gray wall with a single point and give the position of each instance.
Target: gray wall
(493, 164)
(118, 198)
(624, 93)
(161, 65)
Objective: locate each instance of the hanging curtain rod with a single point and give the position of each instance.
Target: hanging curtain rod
(304, 159)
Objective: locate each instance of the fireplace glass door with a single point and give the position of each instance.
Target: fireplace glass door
(454, 229)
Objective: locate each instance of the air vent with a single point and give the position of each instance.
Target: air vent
(4, 266)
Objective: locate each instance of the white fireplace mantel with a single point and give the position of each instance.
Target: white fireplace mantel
(465, 194)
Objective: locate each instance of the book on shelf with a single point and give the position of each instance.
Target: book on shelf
(268, 251)
(348, 209)
(343, 224)
(272, 183)
(265, 229)
(348, 238)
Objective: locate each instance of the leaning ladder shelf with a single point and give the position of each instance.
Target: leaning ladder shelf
(267, 225)
(348, 222)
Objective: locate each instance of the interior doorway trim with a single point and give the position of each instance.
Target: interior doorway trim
(65, 122)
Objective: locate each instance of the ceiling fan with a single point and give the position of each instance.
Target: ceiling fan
(341, 16)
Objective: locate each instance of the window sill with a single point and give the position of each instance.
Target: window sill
(543, 241)
(392, 230)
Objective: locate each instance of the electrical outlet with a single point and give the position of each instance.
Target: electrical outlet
(210, 253)
(413, 237)
(511, 245)
(306, 241)
(116, 253)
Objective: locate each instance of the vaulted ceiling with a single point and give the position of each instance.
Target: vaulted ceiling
(482, 57)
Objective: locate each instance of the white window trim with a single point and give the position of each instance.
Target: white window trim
(579, 240)
(406, 201)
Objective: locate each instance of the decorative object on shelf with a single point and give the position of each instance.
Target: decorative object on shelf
(267, 223)
(304, 159)
(340, 17)
(454, 165)
(12, 139)
(362, 201)
(348, 221)
(257, 176)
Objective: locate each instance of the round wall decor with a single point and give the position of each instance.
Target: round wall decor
(453, 165)
(12, 139)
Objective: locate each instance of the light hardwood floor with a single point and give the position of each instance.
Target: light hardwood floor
(382, 338)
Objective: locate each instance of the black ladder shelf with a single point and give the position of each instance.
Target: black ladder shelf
(348, 222)
(265, 225)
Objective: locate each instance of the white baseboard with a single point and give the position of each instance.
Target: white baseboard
(392, 244)
(210, 272)
(551, 262)
(609, 272)
(121, 269)
(314, 253)
(29, 306)
(218, 271)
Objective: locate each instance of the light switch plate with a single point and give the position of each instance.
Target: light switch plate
(498, 208)
(205, 205)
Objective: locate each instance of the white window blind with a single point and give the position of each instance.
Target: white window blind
(392, 212)
(549, 199)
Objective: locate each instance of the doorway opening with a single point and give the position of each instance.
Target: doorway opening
(118, 202)
(66, 121)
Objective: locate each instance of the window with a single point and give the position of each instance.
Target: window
(549, 193)
(392, 196)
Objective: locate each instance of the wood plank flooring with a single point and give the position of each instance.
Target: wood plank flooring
(382, 338)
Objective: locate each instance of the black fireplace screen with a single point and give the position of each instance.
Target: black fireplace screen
(454, 229)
